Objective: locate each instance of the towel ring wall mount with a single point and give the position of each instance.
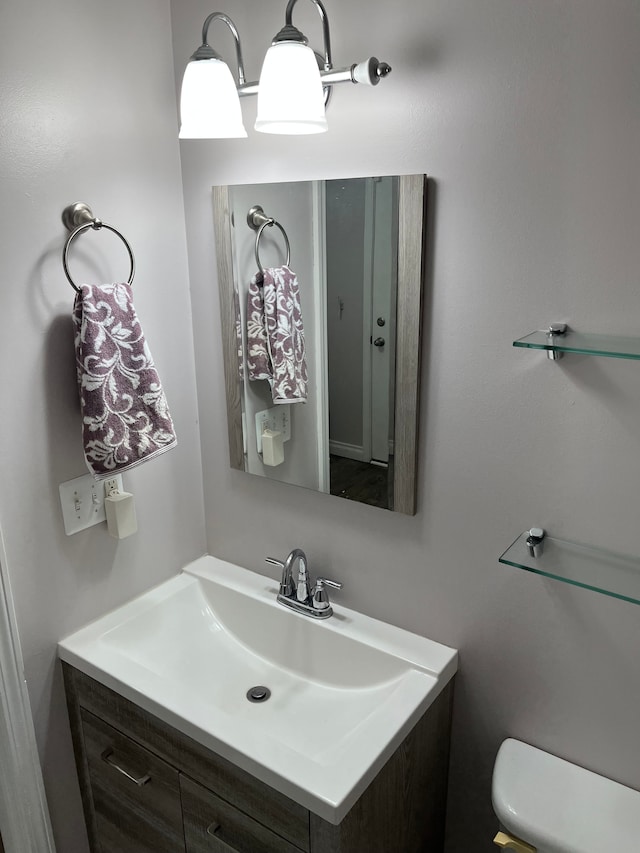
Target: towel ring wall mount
(257, 220)
(78, 218)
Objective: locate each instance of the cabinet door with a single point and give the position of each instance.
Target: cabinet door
(211, 825)
(136, 795)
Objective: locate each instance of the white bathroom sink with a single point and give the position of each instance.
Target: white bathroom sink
(344, 691)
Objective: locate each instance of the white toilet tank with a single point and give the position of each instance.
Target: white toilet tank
(557, 807)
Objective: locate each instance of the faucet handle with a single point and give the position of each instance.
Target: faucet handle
(286, 581)
(319, 595)
(327, 582)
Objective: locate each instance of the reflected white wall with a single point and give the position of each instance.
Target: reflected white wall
(293, 206)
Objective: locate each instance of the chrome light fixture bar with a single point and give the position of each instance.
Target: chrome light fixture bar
(294, 88)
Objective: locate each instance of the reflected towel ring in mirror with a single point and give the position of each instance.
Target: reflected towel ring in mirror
(259, 234)
(78, 218)
(257, 220)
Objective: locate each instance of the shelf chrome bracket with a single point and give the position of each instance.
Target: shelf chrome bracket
(534, 541)
(554, 331)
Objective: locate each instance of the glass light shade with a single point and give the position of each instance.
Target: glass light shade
(290, 96)
(209, 102)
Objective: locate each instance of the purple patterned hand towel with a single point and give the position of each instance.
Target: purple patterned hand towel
(275, 335)
(125, 417)
(258, 361)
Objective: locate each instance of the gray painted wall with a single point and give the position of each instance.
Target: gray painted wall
(526, 116)
(88, 113)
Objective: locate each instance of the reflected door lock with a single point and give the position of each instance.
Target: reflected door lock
(381, 321)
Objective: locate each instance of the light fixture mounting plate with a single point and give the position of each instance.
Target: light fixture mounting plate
(290, 33)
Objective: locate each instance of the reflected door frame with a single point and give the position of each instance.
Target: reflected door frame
(319, 201)
(380, 280)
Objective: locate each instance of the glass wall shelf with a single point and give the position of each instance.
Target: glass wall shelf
(613, 346)
(580, 565)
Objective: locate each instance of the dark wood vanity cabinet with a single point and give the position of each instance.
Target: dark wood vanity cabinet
(135, 794)
(147, 788)
(211, 825)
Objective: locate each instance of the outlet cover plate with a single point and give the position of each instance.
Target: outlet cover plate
(82, 502)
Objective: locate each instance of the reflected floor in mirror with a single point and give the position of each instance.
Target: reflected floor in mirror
(362, 481)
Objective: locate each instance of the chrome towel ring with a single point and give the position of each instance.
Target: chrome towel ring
(78, 218)
(258, 221)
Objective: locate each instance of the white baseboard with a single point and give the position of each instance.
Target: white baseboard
(349, 451)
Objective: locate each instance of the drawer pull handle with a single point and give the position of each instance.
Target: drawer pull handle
(213, 830)
(140, 781)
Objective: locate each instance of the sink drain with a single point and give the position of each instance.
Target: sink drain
(258, 693)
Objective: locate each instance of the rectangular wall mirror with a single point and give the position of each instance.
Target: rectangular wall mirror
(357, 249)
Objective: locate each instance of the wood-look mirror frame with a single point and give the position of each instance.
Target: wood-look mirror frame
(412, 210)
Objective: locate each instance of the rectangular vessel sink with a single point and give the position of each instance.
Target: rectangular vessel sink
(344, 692)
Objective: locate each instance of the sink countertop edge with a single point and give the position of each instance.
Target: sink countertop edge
(332, 809)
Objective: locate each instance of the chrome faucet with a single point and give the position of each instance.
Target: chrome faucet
(300, 594)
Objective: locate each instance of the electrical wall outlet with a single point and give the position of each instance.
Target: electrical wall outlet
(112, 484)
(82, 502)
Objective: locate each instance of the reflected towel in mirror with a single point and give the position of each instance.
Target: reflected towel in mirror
(258, 361)
(275, 334)
(125, 417)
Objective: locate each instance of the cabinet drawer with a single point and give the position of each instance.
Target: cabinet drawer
(136, 795)
(212, 825)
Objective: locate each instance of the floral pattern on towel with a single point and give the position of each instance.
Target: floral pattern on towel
(125, 417)
(275, 335)
(258, 360)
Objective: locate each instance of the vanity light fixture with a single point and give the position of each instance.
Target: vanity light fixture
(295, 84)
(209, 102)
